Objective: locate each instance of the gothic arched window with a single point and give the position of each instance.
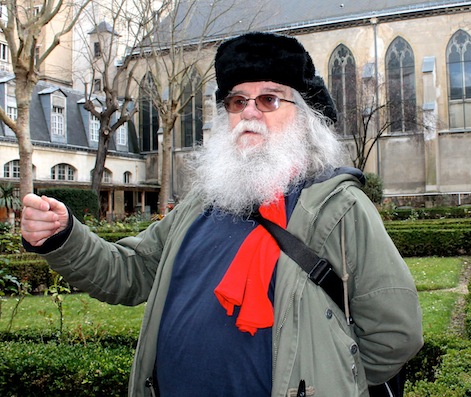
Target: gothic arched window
(400, 78)
(192, 114)
(458, 56)
(343, 85)
(148, 115)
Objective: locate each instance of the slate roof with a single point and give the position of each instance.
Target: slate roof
(103, 27)
(76, 131)
(232, 17)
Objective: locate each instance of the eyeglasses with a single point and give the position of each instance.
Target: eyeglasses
(264, 103)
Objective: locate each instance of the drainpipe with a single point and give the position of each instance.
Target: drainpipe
(374, 22)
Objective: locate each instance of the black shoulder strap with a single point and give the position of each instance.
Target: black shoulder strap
(319, 270)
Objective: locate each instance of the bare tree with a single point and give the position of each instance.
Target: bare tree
(105, 97)
(180, 44)
(23, 29)
(374, 113)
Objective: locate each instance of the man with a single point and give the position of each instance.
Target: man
(227, 313)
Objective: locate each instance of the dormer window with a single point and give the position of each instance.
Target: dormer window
(94, 128)
(58, 113)
(122, 135)
(57, 121)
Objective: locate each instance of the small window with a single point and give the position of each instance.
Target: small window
(94, 128)
(3, 13)
(36, 55)
(107, 176)
(97, 85)
(122, 135)
(57, 121)
(127, 177)
(12, 169)
(97, 49)
(12, 112)
(3, 52)
(63, 172)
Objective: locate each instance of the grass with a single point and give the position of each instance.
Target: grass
(437, 308)
(435, 279)
(434, 273)
(80, 312)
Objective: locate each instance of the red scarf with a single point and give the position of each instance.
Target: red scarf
(248, 277)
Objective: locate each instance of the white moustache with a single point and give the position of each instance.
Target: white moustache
(254, 126)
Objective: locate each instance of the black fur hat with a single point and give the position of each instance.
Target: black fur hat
(271, 57)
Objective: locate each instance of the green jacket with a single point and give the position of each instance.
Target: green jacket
(311, 338)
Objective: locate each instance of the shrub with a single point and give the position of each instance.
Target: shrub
(80, 201)
(431, 241)
(389, 211)
(452, 377)
(10, 243)
(30, 268)
(374, 187)
(53, 369)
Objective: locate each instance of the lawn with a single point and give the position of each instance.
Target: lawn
(436, 280)
(81, 314)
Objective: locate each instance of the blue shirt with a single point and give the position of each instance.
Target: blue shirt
(200, 351)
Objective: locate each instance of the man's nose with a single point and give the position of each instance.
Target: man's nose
(251, 111)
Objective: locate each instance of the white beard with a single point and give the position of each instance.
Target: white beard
(235, 179)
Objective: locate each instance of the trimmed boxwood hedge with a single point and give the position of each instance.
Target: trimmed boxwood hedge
(43, 367)
(442, 237)
(34, 271)
(66, 370)
(431, 241)
(80, 201)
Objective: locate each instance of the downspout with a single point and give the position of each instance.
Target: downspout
(374, 22)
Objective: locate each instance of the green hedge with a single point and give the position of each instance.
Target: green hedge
(43, 367)
(80, 201)
(429, 223)
(427, 213)
(432, 242)
(28, 267)
(452, 377)
(53, 369)
(438, 238)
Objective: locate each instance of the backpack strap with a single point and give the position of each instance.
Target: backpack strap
(319, 270)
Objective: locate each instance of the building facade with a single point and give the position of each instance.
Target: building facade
(406, 63)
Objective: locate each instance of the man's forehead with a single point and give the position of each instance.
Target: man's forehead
(262, 86)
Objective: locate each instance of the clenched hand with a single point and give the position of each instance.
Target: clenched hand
(42, 217)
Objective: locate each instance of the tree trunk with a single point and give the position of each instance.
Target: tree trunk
(165, 183)
(23, 94)
(97, 174)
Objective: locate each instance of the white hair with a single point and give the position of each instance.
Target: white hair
(237, 180)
